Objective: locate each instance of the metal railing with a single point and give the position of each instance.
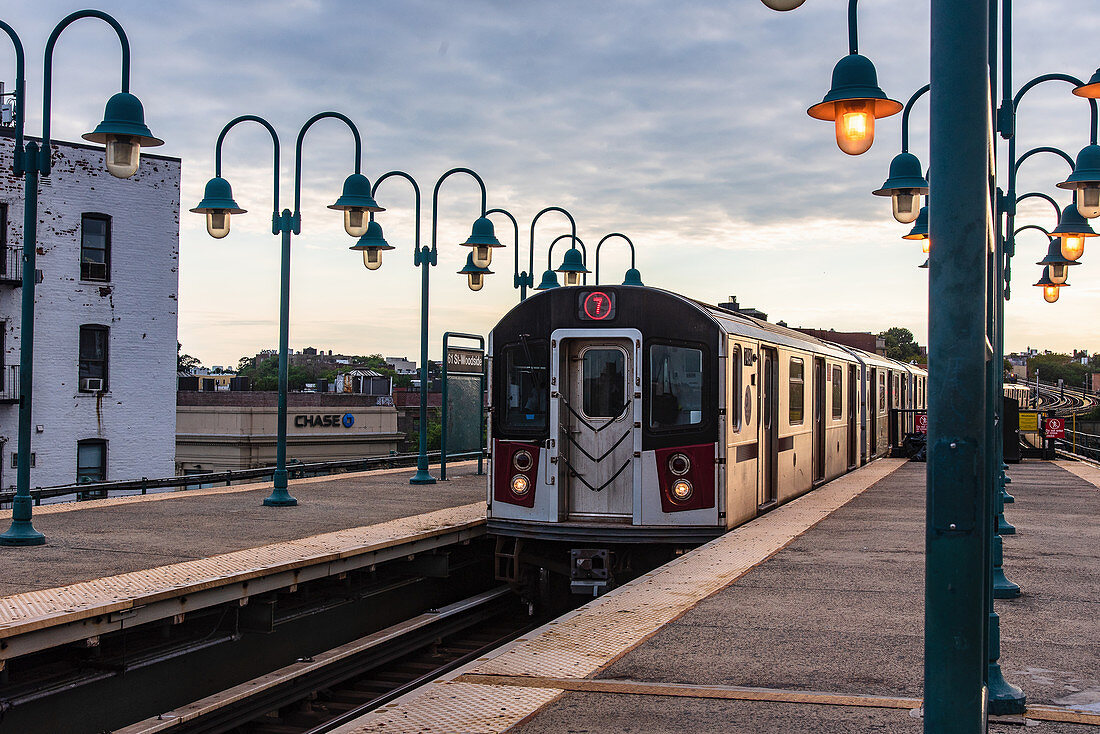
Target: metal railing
(1082, 444)
(99, 490)
(9, 383)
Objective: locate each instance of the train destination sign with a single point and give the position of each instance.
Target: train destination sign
(469, 361)
(596, 306)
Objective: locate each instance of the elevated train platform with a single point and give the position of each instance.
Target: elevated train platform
(165, 559)
(809, 618)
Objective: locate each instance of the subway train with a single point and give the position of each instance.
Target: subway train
(628, 421)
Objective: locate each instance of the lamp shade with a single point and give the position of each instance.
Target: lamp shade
(356, 195)
(920, 227)
(482, 234)
(218, 197)
(1085, 180)
(123, 116)
(373, 239)
(855, 78)
(1057, 264)
(475, 274)
(924, 266)
(573, 262)
(1050, 288)
(633, 277)
(905, 174)
(1072, 224)
(549, 280)
(1091, 88)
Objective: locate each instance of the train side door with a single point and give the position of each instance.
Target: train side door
(596, 416)
(768, 492)
(872, 412)
(853, 416)
(819, 419)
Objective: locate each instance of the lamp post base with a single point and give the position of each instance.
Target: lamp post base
(22, 532)
(279, 496)
(1004, 527)
(1003, 698)
(422, 477)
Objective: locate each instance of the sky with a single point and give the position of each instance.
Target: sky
(680, 125)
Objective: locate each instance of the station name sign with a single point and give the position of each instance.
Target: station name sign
(470, 361)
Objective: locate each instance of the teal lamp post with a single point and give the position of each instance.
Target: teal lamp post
(218, 206)
(854, 101)
(572, 267)
(633, 277)
(549, 278)
(576, 265)
(482, 241)
(124, 133)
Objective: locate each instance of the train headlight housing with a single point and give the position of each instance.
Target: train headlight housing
(682, 490)
(522, 460)
(520, 485)
(679, 464)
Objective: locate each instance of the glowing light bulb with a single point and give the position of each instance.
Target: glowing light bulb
(1073, 247)
(906, 203)
(355, 221)
(372, 258)
(1088, 200)
(217, 223)
(123, 154)
(1050, 293)
(926, 245)
(855, 125)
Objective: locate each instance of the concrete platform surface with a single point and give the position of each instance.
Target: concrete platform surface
(89, 540)
(824, 635)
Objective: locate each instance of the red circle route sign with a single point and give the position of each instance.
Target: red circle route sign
(597, 305)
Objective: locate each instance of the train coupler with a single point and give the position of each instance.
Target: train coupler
(589, 571)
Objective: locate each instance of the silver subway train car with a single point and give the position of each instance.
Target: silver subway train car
(625, 419)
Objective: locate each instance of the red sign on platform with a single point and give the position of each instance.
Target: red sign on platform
(1054, 427)
(922, 423)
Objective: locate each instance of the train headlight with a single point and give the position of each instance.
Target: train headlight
(681, 490)
(520, 485)
(679, 464)
(522, 460)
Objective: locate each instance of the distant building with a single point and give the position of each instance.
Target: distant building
(401, 365)
(363, 382)
(864, 340)
(218, 431)
(732, 305)
(105, 318)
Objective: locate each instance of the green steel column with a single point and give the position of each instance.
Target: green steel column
(422, 475)
(279, 496)
(21, 531)
(957, 535)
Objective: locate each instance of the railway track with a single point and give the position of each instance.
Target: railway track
(320, 693)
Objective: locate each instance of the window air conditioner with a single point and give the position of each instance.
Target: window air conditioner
(91, 384)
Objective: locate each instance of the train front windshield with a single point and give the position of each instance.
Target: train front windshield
(526, 385)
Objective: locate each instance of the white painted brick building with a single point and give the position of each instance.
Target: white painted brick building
(108, 253)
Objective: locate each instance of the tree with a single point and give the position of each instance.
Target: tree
(900, 344)
(185, 362)
(1054, 367)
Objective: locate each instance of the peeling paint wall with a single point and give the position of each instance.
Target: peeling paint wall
(136, 416)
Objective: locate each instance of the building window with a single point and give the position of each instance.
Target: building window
(796, 393)
(4, 267)
(838, 393)
(91, 461)
(93, 358)
(15, 460)
(95, 247)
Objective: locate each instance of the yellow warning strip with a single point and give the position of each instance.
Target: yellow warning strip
(745, 693)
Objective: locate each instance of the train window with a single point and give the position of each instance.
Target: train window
(881, 392)
(676, 386)
(735, 389)
(796, 392)
(838, 393)
(604, 380)
(526, 396)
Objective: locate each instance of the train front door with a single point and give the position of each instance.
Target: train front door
(598, 411)
(768, 495)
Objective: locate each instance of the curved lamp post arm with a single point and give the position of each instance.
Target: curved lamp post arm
(20, 84)
(1018, 230)
(435, 203)
(518, 279)
(47, 73)
(416, 206)
(605, 238)
(275, 160)
(576, 241)
(298, 157)
(905, 116)
(1060, 78)
(1015, 164)
(572, 233)
(1044, 197)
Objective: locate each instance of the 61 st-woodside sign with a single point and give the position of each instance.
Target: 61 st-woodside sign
(468, 361)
